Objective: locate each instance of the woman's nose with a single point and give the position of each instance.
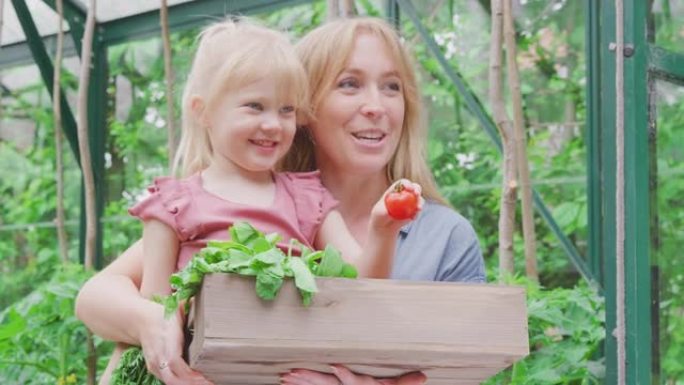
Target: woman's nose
(372, 106)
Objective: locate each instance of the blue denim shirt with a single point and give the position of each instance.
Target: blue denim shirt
(439, 245)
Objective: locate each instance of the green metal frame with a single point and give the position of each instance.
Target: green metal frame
(666, 64)
(44, 63)
(637, 236)
(642, 67)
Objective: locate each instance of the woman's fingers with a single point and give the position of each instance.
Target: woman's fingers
(347, 377)
(344, 376)
(183, 372)
(308, 377)
(413, 378)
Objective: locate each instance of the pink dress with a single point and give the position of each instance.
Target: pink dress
(197, 216)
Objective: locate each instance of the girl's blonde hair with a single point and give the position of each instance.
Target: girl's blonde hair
(230, 55)
(325, 52)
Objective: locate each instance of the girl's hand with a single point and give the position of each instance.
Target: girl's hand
(399, 205)
(343, 376)
(162, 346)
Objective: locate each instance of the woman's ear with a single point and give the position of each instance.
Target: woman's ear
(198, 110)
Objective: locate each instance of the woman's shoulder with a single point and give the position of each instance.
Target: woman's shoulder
(435, 214)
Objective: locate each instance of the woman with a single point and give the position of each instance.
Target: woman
(363, 134)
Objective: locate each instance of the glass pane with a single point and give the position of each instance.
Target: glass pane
(551, 59)
(668, 19)
(666, 234)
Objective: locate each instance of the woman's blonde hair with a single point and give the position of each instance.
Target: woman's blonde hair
(232, 54)
(325, 52)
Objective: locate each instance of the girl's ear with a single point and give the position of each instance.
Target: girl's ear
(198, 110)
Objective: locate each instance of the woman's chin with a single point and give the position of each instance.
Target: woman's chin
(365, 164)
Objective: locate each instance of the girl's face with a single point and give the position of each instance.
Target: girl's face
(359, 123)
(250, 128)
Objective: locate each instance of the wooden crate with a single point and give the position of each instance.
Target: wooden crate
(455, 333)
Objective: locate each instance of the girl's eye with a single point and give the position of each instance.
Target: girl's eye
(287, 109)
(348, 83)
(255, 106)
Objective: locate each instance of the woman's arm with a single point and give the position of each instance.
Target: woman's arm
(110, 303)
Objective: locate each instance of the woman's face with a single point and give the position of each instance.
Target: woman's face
(359, 122)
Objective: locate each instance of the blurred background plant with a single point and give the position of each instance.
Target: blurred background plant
(42, 342)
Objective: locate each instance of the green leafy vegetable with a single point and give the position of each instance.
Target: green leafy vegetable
(132, 370)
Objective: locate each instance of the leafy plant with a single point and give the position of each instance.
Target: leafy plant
(566, 329)
(41, 341)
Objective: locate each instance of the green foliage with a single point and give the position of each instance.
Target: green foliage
(466, 165)
(41, 341)
(132, 370)
(566, 329)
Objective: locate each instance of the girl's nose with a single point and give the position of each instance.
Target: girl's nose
(271, 123)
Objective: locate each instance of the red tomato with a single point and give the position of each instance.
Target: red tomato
(402, 202)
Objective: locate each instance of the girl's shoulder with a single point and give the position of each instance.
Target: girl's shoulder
(168, 200)
(306, 178)
(312, 201)
(167, 188)
(303, 183)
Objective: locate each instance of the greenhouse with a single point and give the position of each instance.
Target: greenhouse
(554, 171)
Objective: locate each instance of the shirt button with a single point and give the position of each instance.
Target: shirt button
(174, 210)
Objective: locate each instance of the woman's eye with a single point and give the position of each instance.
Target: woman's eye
(255, 106)
(348, 83)
(393, 86)
(287, 109)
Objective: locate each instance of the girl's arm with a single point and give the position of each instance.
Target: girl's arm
(160, 250)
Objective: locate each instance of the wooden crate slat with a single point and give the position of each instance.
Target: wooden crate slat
(456, 333)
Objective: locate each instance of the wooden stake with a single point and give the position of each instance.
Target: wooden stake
(333, 9)
(82, 123)
(520, 141)
(348, 9)
(509, 183)
(57, 114)
(171, 141)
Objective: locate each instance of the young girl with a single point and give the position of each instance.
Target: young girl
(240, 106)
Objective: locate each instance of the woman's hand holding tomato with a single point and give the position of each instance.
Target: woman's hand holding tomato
(400, 204)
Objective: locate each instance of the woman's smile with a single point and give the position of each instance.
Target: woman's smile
(370, 138)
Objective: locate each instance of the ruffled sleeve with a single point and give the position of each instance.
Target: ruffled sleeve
(312, 200)
(169, 201)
